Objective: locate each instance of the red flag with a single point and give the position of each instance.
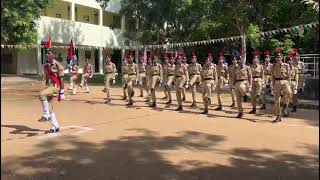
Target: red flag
(48, 43)
(71, 49)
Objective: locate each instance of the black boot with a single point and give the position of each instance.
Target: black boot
(278, 119)
(169, 102)
(240, 115)
(193, 104)
(130, 103)
(124, 98)
(141, 95)
(108, 101)
(294, 109)
(183, 99)
(285, 111)
(245, 98)
(209, 101)
(253, 111)
(219, 108)
(263, 107)
(179, 108)
(232, 105)
(153, 104)
(205, 111)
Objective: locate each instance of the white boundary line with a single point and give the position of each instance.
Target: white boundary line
(53, 135)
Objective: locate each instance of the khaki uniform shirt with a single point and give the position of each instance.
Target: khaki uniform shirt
(257, 72)
(195, 69)
(181, 70)
(242, 73)
(156, 69)
(110, 68)
(280, 71)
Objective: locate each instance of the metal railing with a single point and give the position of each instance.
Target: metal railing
(311, 65)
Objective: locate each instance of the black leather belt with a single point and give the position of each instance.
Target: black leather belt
(131, 74)
(155, 74)
(207, 79)
(241, 80)
(293, 80)
(178, 76)
(170, 74)
(141, 72)
(194, 74)
(279, 79)
(256, 77)
(300, 73)
(109, 73)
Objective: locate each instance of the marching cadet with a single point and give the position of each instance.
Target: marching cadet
(222, 71)
(243, 83)
(87, 74)
(300, 65)
(180, 79)
(142, 74)
(156, 77)
(148, 78)
(267, 79)
(184, 62)
(294, 73)
(170, 78)
(110, 71)
(231, 70)
(54, 71)
(194, 72)
(281, 80)
(257, 81)
(165, 74)
(74, 77)
(124, 71)
(208, 77)
(133, 71)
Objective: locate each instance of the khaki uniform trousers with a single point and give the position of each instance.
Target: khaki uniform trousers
(240, 90)
(256, 90)
(281, 87)
(129, 83)
(266, 89)
(155, 79)
(49, 93)
(107, 79)
(219, 90)
(180, 82)
(142, 81)
(124, 83)
(294, 96)
(300, 81)
(168, 85)
(206, 92)
(193, 83)
(232, 91)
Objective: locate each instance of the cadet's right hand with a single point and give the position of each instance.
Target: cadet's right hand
(114, 81)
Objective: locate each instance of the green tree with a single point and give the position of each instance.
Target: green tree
(18, 20)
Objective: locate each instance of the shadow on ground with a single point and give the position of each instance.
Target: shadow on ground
(142, 157)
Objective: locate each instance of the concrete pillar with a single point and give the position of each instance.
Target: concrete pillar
(39, 61)
(100, 17)
(19, 61)
(123, 23)
(73, 9)
(100, 60)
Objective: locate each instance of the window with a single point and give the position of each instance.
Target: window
(87, 54)
(95, 19)
(58, 15)
(86, 18)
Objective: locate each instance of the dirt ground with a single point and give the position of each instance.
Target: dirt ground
(100, 141)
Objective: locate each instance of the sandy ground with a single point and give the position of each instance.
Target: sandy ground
(99, 141)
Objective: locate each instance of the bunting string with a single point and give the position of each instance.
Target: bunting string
(265, 34)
